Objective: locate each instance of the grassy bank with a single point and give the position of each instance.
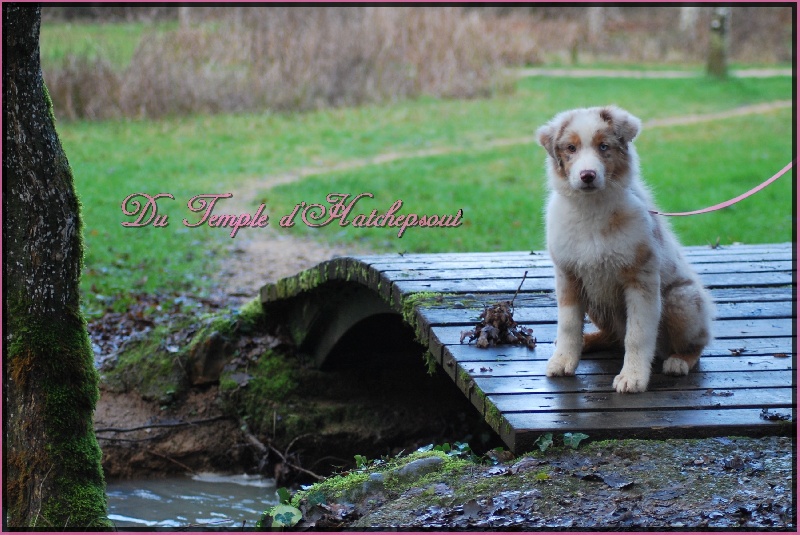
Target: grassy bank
(500, 189)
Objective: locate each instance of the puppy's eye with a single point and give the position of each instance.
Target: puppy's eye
(572, 148)
(603, 147)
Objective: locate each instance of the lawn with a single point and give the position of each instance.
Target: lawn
(115, 42)
(499, 189)
(502, 193)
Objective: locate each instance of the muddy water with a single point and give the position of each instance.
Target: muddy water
(204, 500)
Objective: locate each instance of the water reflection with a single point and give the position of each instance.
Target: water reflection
(203, 500)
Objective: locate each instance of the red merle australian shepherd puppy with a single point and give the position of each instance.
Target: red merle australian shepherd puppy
(614, 259)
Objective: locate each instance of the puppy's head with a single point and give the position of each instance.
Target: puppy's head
(590, 148)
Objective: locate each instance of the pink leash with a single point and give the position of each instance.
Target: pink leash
(734, 200)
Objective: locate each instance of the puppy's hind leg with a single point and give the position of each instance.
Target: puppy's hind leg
(681, 364)
(686, 325)
(599, 341)
(569, 335)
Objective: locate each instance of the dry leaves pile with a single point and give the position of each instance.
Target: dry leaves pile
(497, 326)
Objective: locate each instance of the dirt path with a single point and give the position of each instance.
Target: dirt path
(257, 258)
(628, 73)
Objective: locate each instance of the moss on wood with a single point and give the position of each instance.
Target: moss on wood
(51, 364)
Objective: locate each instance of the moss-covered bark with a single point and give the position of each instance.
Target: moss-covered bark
(53, 473)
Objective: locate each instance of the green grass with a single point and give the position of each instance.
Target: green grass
(499, 189)
(502, 190)
(682, 65)
(115, 42)
(691, 167)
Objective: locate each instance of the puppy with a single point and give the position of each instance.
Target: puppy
(614, 259)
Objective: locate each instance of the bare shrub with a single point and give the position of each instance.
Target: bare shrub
(296, 58)
(84, 88)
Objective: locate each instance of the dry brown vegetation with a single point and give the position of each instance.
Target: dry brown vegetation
(301, 58)
(288, 58)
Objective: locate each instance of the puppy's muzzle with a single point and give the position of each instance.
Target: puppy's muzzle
(588, 176)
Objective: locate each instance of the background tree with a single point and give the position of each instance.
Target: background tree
(718, 42)
(52, 464)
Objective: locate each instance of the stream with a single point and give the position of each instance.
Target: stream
(202, 501)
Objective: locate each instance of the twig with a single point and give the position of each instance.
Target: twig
(286, 452)
(115, 439)
(519, 287)
(294, 466)
(327, 457)
(154, 426)
(251, 438)
(173, 461)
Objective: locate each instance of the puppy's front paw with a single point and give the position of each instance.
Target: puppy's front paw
(561, 364)
(629, 382)
(675, 366)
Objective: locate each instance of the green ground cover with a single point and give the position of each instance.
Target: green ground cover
(499, 189)
(115, 42)
(502, 190)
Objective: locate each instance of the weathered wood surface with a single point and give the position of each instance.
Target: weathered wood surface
(744, 383)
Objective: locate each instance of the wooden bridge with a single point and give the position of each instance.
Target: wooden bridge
(745, 384)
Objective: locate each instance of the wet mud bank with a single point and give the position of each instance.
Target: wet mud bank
(725, 482)
(223, 394)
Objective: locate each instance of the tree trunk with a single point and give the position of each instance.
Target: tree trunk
(184, 16)
(688, 20)
(597, 18)
(53, 473)
(718, 42)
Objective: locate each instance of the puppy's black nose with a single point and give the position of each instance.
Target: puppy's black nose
(588, 176)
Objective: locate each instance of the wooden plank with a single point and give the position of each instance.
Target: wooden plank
(608, 366)
(547, 299)
(770, 262)
(724, 254)
(692, 253)
(547, 313)
(721, 329)
(742, 398)
(756, 295)
(520, 430)
(539, 284)
(723, 349)
(741, 247)
(602, 383)
(516, 272)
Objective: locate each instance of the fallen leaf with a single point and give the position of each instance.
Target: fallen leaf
(525, 464)
(472, 508)
(611, 479)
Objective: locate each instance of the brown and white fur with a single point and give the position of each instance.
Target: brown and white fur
(614, 259)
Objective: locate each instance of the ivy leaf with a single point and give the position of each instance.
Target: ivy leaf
(284, 496)
(444, 448)
(460, 448)
(544, 442)
(285, 516)
(573, 439)
(315, 498)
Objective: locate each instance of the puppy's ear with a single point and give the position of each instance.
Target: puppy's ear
(626, 126)
(546, 137)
